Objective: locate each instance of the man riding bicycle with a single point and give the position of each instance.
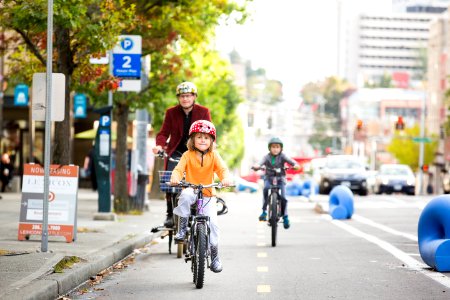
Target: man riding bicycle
(174, 131)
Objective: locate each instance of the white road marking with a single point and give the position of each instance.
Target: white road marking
(261, 244)
(404, 257)
(369, 222)
(261, 254)
(262, 269)
(263, 288)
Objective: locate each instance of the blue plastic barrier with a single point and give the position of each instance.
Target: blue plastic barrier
(293, 188)
(434, 233)
(310, 188)
(341, 202)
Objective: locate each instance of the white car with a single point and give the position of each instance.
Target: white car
(395, 178)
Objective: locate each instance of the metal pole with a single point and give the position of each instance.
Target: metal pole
(48, 110)
(422, 144)
(2, 63)
(110, 103)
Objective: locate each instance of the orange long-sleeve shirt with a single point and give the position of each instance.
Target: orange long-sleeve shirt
(196, 173)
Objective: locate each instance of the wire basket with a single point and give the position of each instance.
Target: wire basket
(164, 176)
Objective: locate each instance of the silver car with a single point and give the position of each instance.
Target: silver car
(395, 178)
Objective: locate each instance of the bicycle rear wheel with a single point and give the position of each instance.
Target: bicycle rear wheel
(200, 256)
(273, 217)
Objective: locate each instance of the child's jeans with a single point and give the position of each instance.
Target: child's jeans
(187, 198)
(281, 184)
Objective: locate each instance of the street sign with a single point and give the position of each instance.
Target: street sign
(421, 139)
(127, 62)
(21, 95)
(80, 106)
(39, 96)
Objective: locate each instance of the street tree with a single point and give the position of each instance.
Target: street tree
(81, 28)
(325, 96)
(173, 32)
(406, 151)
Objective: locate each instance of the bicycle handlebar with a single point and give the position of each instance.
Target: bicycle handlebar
(163, 154)
(186, 184)
(277, 170)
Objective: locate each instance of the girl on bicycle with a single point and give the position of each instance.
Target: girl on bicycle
(200, 163)
(275, 159)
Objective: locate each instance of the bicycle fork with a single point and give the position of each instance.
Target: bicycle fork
(191, 251)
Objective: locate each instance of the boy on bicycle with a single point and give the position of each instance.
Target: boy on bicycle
(200, 163)
(275, 159)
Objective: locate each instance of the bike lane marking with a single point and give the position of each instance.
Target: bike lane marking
(369, 222)
(402, 256)
(263, 288)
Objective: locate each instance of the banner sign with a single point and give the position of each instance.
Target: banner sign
(62, 208)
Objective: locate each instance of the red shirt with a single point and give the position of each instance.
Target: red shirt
(172, 126)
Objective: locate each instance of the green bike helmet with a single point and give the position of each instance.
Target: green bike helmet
(275, 140)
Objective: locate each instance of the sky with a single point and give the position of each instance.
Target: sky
(293, 40)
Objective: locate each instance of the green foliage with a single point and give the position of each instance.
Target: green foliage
(331, 90)
(384, 82)
(66, 263)
(327, 95)
(406, 151)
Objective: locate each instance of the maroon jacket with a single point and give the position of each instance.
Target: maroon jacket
(173, 126)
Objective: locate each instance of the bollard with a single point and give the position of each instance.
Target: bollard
(341, 202)
(434, 233)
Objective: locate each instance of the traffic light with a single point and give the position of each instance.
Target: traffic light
(424, 168)
(359, 125)
(399, 125)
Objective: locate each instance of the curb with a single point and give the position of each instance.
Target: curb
(54, 285)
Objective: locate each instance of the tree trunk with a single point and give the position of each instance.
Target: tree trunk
(62, 138)
(121, 198)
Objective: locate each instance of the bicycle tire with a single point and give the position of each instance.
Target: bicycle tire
(274, 217)
(200, 256)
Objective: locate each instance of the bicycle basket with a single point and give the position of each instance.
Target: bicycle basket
(164, 176)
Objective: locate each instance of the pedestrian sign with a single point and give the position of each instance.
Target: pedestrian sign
(127, 62)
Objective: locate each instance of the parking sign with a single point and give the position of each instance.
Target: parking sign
(127, 62)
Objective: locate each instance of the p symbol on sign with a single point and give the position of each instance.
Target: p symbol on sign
(126, 44)
(104, 121)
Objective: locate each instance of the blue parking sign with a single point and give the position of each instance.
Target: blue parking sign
(127, 65)
(21, 95)
(127, 62)
(80, 106)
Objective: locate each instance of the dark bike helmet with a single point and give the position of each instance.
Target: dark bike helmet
(275, 140)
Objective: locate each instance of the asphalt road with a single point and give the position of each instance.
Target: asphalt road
(372, 256)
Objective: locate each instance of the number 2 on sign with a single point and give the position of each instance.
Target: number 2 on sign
(127, 63)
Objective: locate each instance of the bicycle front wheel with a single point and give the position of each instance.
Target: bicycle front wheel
(273, 217)
(200, 256)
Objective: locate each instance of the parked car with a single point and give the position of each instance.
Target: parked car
(395, 178)
(347, 170)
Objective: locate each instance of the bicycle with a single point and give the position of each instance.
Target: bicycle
(174, 191)
(197, 235)
(275, 211)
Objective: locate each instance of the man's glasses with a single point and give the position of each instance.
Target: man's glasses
(185, 96)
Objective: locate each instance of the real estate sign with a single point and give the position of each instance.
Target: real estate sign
(62, 208)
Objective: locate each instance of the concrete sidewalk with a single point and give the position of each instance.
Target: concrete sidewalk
(27, 273)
